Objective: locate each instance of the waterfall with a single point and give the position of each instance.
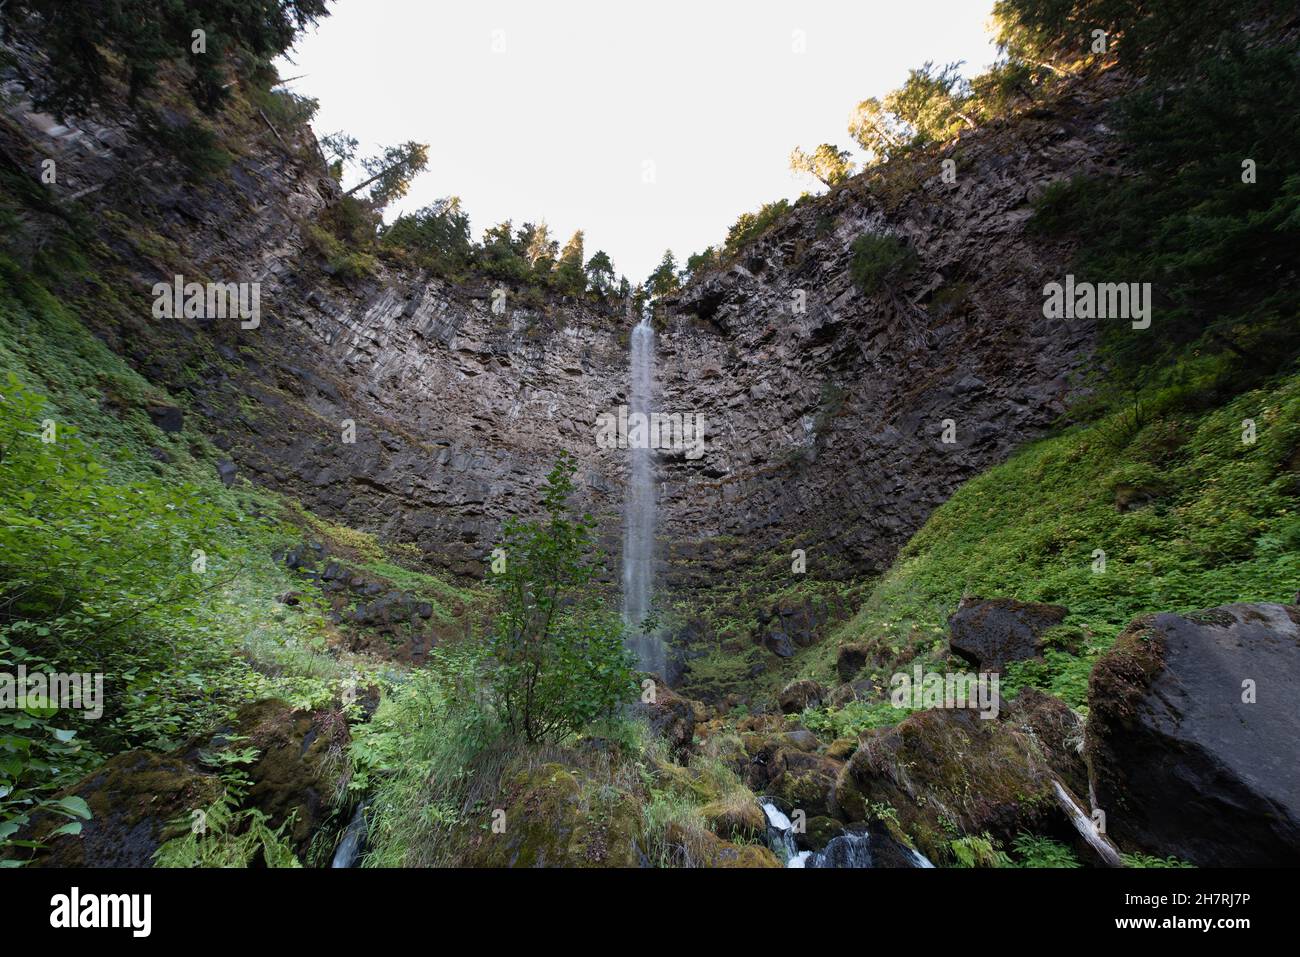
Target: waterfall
(639, 531)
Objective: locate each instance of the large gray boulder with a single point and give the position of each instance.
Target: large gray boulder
(1183, 758)
(989, 633)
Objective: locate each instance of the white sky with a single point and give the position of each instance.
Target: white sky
(559, 125)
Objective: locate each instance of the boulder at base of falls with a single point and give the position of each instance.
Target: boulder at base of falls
(670, 715)
(557, 816)
(989, 633)
(950, 767)
(1192, 732)
(864, 845)
(804, 781)
(1056, 728)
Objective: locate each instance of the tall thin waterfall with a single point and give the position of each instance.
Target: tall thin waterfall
(639, 530)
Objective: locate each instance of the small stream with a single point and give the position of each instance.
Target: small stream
(854, 849)
(353, 841)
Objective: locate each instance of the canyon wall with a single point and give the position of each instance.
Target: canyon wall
(824, 406)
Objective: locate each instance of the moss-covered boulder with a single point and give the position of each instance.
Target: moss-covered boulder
(555, 816)
(841, 749)
(864, 689)
(1056, 728)
(804, 780)
(701, 848)
(671, 715)
(818, 832)
(990, 633)
(301, 766)
(947, 772)
(138, 800)
(736, 818)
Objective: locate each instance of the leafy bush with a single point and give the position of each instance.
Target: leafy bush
(89, 567)
(36, 753)
(978, 851)
(880, 259)
(560, 657)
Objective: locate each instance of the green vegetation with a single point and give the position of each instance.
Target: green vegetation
(1034, 851)
(95, 47)
(1219, 523)
(114, 561)
(852, 719)
(977, 850)
(879, 260)
(560, 659)
(230, 836)
(1211, 218)
(425, 757)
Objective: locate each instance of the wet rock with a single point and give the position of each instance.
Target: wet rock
(818, 832)
(862, 846)
(990, 633)
(804, 781)
(300, 767)
(1179, 760)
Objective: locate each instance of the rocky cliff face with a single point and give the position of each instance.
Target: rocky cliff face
(824, 406)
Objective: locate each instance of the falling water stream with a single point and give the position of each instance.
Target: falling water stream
(639, 531)
(849, 850)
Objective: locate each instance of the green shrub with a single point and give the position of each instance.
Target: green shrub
(880, 259)
(560, 657)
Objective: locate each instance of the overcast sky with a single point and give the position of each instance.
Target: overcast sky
(562, 110)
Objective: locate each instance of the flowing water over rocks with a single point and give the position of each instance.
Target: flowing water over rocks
(855, 849)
